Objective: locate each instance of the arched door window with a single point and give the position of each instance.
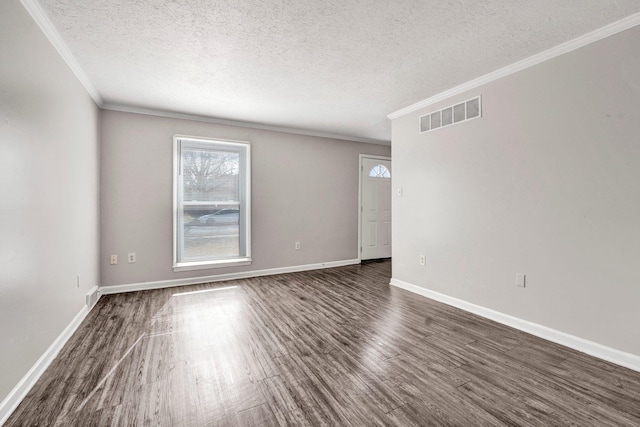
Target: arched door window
(379, 171)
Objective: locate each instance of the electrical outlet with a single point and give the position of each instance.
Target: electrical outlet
(297, 246)
(132, 257)
(422, 260)
(521, 280)
(114, 259)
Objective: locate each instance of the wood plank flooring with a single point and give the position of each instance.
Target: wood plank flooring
(333, 347)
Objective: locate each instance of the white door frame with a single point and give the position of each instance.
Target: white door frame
(360, 171)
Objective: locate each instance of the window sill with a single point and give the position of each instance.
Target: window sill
(188, 266)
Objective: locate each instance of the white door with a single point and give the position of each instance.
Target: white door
(375, 220)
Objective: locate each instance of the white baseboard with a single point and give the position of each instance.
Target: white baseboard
(132, 287)
(15, 396)
(13, 399)
(591, 348)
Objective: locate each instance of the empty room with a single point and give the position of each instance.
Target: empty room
(308, 213)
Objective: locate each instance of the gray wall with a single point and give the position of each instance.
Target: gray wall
(303, 189)
(547, 183)
(48, 194)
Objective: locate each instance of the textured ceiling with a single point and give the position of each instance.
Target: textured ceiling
(332, 66)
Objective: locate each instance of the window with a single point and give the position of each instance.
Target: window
(211, 214)
(379, 171)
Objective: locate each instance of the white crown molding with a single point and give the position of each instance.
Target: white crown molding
(133, 287)
(38, 15)
(15, 396)
(594, 36)
(49, 30)
(600, 351)
(238, 123)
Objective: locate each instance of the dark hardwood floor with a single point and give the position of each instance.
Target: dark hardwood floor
(332, 347)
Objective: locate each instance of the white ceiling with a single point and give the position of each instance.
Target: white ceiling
(326, 66)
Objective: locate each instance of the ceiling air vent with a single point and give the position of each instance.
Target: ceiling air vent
(467, 110)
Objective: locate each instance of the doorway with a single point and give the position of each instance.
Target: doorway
(374, 225)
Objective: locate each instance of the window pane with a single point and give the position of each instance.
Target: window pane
(211, 233)
(379, 171)
(210, 175)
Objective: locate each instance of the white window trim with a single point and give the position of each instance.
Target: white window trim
(230, 262)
